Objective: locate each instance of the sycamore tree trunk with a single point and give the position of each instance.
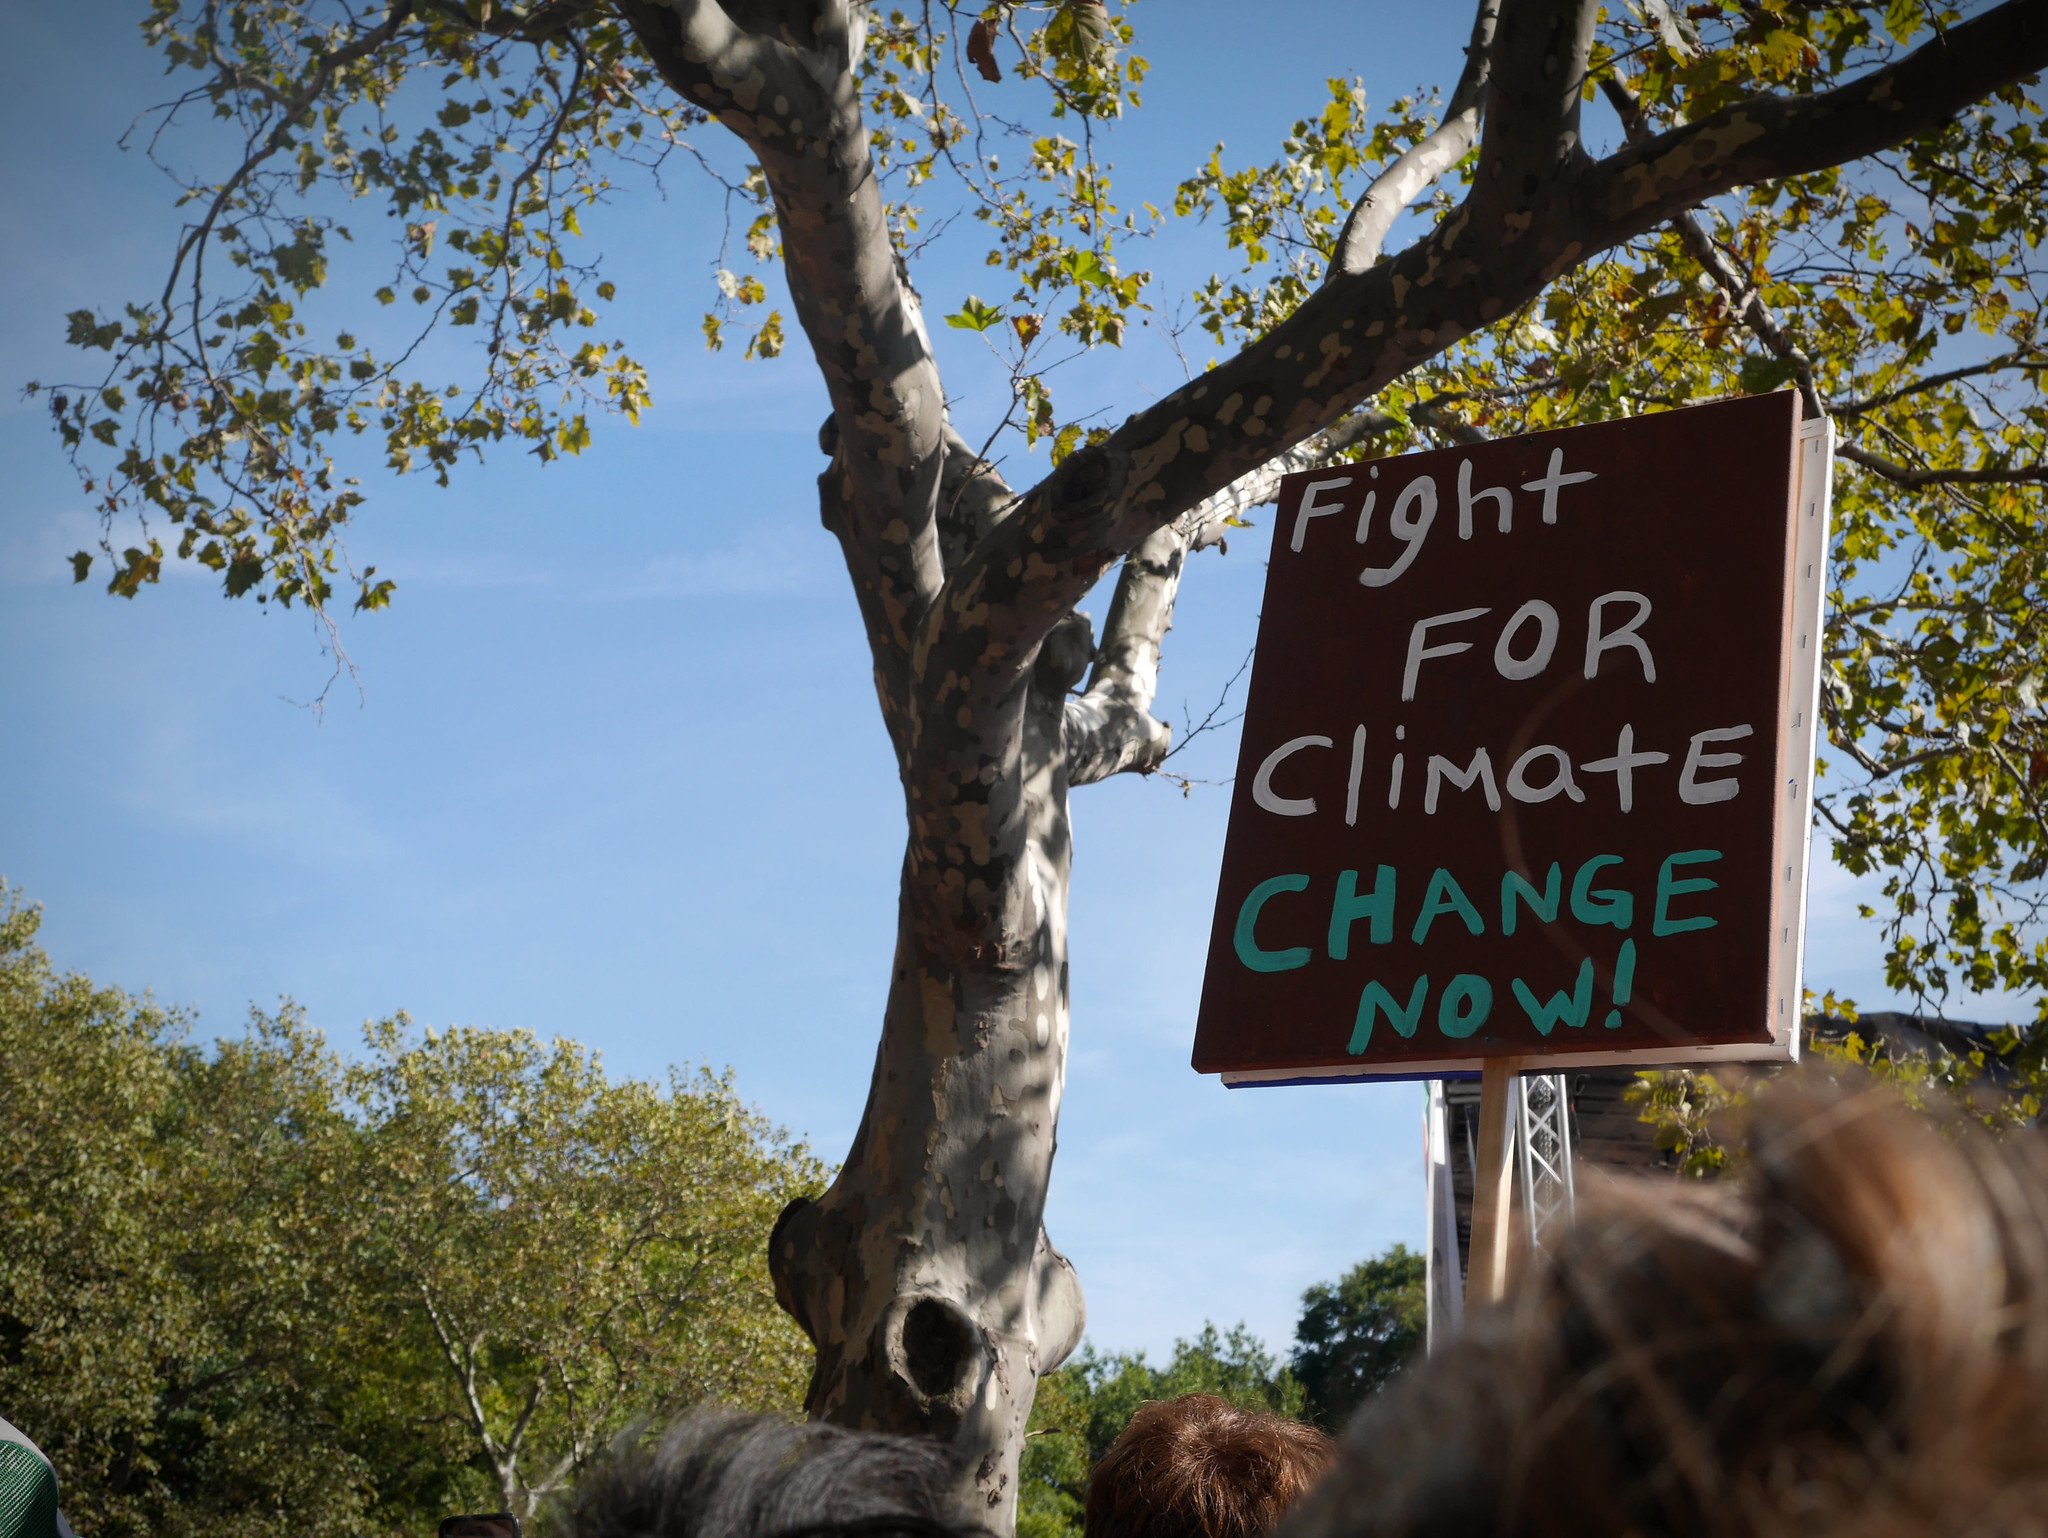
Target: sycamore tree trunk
(924, 1275)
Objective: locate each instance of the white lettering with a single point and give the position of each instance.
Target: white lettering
(1503, 501)
(1408, 527)
(1262, 782)
(1690, 790)
(1505, 662)
(1478, 772)
(1553, 478)
(1598, 641)
(1357, 770)
(1623, 765)
(1560, 780)
(1310, 508)
(1417, 651)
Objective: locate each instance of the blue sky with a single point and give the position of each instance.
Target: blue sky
(615, 771)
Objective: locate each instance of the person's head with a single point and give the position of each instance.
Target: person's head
(1196, 1467)
(1851, 1341)
(718, 1474)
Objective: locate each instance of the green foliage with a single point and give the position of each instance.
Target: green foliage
(2001, 1084)
(225, 397)
(1355, 1334)
(257, 1290)
(1048, 213)
(1901, 294)
(1086, 1404)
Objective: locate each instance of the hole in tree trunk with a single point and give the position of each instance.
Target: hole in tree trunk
(938, 1345)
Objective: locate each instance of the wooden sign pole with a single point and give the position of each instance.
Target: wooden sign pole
(1493, 1182)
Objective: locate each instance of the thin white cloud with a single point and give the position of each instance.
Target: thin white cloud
(759, 567)
(36, 549)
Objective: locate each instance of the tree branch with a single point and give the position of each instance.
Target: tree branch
(1110, 729)
(1372, 217)
(2022, 362)
(1539, 61)
(1768, 138)
(1743, 297)
(535, 23)
(1909, 475)
(464, 1368)
(798, 109)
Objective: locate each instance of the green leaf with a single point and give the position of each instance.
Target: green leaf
(974, 316)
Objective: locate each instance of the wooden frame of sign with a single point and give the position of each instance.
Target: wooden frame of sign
(1525, 770)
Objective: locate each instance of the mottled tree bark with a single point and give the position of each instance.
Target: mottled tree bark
(924, 1275)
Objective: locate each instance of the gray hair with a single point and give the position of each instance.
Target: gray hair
(720, 1474)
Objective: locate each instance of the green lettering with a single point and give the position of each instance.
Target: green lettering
(1567, 1008)
(1465, 1005)
(1513, 889)
(1446, 896)
(1349, 908)
(1661, 922)
(1248, 950)
(1609, 905)
(1374, 1000)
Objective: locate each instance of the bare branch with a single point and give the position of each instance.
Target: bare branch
(1110, 728)
(1909, 475)
(463, 1365)
(1411, 173)
(2020, 362)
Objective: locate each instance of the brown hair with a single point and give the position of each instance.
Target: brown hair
(1196, 1467)
(1851, 1342)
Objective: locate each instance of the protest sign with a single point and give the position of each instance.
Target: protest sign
(1526, 755)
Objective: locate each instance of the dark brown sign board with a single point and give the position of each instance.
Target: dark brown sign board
(1526, 756)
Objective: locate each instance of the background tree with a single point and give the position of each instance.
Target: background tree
(252, 1291)
(1995, 1077)
(1610, 213)
(1357, 1332)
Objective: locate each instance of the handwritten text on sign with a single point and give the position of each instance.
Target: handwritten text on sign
(1506, 783)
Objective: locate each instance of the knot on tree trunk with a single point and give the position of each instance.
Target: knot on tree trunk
(1061, 1314)
(794, 1237)
(1064, 657)
(937, 1358)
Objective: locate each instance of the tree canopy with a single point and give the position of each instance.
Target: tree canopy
(1358, 1331)
(259, 1290)
(1604, 211)
(1898, 294)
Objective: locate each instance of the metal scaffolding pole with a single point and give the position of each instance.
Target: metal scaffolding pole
(1544, 1148)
